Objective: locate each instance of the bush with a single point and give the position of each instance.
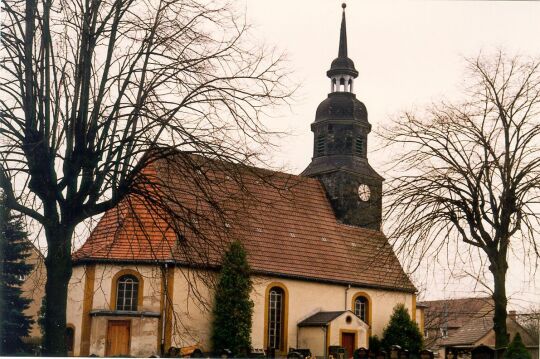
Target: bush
(402, 331)
(375, 344)
(233, 307)
(517, 350)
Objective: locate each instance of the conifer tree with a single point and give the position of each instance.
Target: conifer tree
(233, 307)
(402, 331)
(516, 349)
(14, 249)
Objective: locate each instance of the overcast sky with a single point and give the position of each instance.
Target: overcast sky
(407, 53)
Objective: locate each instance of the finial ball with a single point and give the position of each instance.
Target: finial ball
(344, 5)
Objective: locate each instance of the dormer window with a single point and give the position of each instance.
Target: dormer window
(444, 333)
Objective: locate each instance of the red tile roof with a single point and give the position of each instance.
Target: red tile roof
(285, 222)
(479, 326)
(454, 312)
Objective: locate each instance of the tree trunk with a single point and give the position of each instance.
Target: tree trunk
(58, 264)
(498, 268)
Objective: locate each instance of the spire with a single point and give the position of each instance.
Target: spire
(342, 65)
(343, 35)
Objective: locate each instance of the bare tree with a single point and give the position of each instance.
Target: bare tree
(531, 322)
(90, 87)
(469, 172)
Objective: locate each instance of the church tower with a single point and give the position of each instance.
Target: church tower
(340, 149)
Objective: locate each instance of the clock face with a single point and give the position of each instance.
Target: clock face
(364, 192)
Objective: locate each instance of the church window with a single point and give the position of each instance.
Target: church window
(361, 308)
(359, 149)
(276, 318)
(321, 144)
(127, 292)
(69, 337)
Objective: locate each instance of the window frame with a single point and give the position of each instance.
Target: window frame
(114, 288)
(284, 317)
(369, 308)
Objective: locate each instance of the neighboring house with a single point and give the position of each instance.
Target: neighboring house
(323, 272)
(454, 326)
(34, 288)
(444, 317)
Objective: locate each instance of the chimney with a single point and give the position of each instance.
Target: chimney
(512, 314)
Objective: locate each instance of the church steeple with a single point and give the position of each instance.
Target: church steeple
(340, 160)
(342, 71)
(343, 35)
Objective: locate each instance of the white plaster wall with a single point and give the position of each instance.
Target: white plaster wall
(151, 287)
(143, 335)
(192, 309)
(192, 323)
(312, 338)
(192, 317)
(356, 325)
(75, 304)
(307, 298)
(420, 319)
(144, 331)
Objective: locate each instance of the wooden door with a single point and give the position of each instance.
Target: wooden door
(348, 341)
(118, 338)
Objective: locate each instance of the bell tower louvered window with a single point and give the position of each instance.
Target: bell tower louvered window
(321, 144)
(359, 147)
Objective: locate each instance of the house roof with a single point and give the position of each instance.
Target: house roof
(320, 319)
(454, 312)
(470, 332)
(480, 326)
(285, 222)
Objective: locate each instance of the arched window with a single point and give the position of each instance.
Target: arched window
(276, 318)
(127, 292)
(70, 337)
(361, 308)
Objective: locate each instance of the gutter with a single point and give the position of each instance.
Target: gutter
(325, 328)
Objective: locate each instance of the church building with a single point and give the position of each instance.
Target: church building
(323, 272)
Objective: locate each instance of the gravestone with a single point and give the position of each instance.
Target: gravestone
(404, 354)
(361, 353)
(426, 354)
(395, 350)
